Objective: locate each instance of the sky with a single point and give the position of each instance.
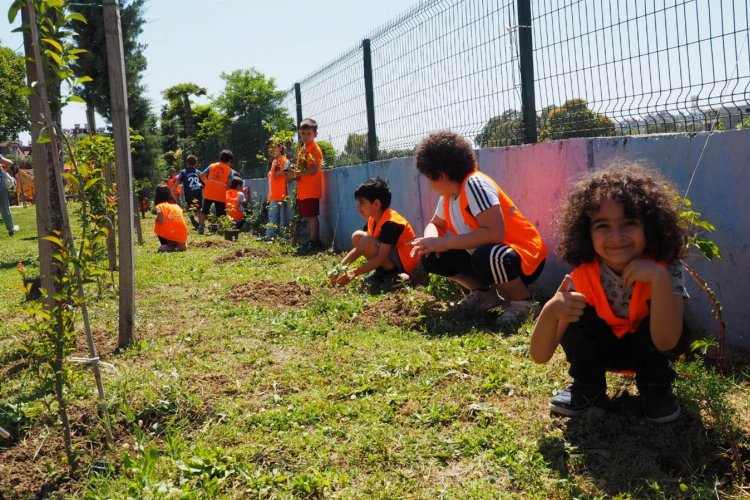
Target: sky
(196, 40)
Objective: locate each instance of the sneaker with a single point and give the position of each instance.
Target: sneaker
(14, 230)
(164, 249)
(201, 228)
(660, 408)
(480, 300)
(575, 399)
(518, 311)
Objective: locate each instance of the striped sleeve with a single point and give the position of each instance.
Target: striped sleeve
(480, 194)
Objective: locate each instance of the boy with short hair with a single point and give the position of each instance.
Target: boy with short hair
(384, 240)
(477, 237)
(217, 178)
(235, 203)
(192, 187)
(309, 179)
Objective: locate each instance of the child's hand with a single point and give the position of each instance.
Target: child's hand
(567, 304)
(426, 246)
(343, 279)
(645, 271)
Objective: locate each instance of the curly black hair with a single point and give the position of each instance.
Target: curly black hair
(445, 152)
(644, 193)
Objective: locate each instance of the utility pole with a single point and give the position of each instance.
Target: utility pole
(526, 54)
(121, 129)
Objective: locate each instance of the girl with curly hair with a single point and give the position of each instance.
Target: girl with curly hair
(621, 307)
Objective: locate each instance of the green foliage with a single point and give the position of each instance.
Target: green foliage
(14, 108)
(505, 129)
(329, 154)
(706, 247)
(444, 289)
(574, 119)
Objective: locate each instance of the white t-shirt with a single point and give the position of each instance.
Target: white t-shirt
(480, 194)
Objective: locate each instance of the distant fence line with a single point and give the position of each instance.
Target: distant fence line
(519, 71)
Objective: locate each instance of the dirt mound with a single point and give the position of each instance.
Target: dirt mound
(405, 308)
(262, 253)
(211, 244)
(272, 294)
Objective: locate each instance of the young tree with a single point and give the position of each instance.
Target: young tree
(14, 109)
(505, 129)
(575, 119)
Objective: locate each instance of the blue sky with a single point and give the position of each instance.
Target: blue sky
(196, 40)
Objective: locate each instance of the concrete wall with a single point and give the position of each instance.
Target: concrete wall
(537, 177)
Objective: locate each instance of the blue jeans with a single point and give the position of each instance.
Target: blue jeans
(5, 207)
(278, 217)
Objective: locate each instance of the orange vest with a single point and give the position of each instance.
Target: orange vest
(277, 185)
(233, 208)
(520, 234)
(216, 182)
(171, 182)
(173, 228)
(310, 186)
(587, 279)
(404, 251)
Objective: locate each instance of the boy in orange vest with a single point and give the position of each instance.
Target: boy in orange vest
(169, 225)
(235, 203)
(383, 241)
(309, 178)
(216, 178)
(477, 237)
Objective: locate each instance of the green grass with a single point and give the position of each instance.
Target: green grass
(239, 400)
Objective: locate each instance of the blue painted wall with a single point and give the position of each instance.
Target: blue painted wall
(537, 177)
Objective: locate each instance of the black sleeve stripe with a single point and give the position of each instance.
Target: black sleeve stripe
(483, 201)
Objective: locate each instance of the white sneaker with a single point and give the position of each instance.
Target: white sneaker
(14, 230)
(480, 300)
(518, 311)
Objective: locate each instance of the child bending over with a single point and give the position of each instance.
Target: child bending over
(170, 224)
(477, 237)
(621, 307)
(384, 240)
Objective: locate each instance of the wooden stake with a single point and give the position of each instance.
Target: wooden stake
(120, 126)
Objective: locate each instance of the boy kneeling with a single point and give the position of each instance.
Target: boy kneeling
(384, 240)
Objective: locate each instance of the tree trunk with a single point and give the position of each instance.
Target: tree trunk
(189, 120)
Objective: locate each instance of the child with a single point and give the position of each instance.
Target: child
(384, 240)
(621, 307)
(477, 237)
(278, 215)
(190, 177)
(170, 225)
(174, 185)
(235, 202)
(216, 177)
(309, 180)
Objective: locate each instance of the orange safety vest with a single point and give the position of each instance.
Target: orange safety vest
(276, 185)
(587, 279)
(233, 208)
(310, 186)
(520, 234)
(171, 181)
(216, 182)
(404, 251)
(173, 228)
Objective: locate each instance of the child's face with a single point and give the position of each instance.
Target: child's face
(307, 135)
(273, 152)
(367, 208)
(617, 239)
(442, 186)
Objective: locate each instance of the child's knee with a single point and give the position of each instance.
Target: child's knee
(357, 237)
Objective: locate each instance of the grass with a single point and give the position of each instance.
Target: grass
(236, 399)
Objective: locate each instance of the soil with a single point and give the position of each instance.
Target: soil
(404, 308)
(272, 294)
(262, 253)
(211, 244)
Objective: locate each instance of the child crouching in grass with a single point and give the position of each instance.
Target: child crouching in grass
(383, 241)
(621, 307)
(170, 224)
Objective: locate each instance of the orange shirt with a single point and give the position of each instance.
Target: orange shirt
(173, 228)
(310, 186)
(233, 209)
(277, 185)
(171, 182)
(216, 182)
(404, 251)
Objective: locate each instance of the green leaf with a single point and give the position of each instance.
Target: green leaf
(13, 11)
(76, 98)
(83, 79)
(53, 43)
(54, 239)
(54, 56)
(44, 139)
(91, 182)
(77, 16)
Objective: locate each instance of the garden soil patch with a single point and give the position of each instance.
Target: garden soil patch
(404, 308)
(272, 294)
(261, 253)
(211, 244)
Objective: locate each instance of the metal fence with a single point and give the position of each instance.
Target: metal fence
(514, 71)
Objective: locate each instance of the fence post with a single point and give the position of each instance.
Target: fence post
(298, 98)
(526, 50)
(372, 136)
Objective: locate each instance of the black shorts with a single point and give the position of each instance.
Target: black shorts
(490, 264)
(220, 207)
(191, 197)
